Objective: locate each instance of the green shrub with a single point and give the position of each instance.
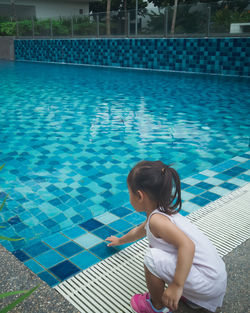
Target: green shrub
(8, 28)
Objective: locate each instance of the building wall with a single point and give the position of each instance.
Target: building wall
(228, 56)
(45, 8)
(7, 48)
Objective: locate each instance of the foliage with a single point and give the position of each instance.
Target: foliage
(117, 5)
(183, 25)
(224, 17)
(26, 293)
(7, 28)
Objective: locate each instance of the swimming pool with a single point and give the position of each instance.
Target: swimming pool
(70, 134)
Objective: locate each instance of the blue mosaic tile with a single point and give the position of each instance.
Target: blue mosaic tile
(48, 278)
(88, 240)
(34, 266)
(36, 249)
(103, 251)
(200, 201)
(74, 232)
(22, 256)
(195, 190)
(210, 195)
(69, 249)
(49, 258)
(90, 225)
(229, 186)
(120, 225)
(204, 186)
(104, 232)
(121, 211)
(64, 270)
(106, 218)
(234, 171)
(84, 260)
(135, 218)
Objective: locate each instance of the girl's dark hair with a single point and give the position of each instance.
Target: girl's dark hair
(160, 181)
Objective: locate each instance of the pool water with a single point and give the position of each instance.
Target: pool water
(70, 134)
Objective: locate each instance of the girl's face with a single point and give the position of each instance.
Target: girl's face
(136, 200)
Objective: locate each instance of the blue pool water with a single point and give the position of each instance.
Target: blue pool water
(70, 134)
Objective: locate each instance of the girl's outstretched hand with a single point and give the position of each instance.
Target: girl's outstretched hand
(171, 296)
(114, 241)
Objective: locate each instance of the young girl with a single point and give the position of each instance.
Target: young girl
(179, 254)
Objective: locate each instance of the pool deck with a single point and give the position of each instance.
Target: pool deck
(48, 300)
(14, 275)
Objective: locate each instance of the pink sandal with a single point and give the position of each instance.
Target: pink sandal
(141, 303)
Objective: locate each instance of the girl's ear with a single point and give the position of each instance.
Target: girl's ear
(140, 195)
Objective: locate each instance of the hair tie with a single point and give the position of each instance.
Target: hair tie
(163, 170)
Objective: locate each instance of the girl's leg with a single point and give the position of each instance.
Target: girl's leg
(155, 287)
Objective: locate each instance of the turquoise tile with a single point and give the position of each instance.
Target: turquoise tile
(49, 258)
(56, 240)
(106, 218)
(88, 240)
(185, 195)
(120, 225)
(34, 266)
(74, 232)
(48, 278)
(135, 218)
(213, 181)
(84, 260)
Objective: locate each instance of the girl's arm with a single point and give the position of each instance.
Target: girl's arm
(163, 228)
(133, 235)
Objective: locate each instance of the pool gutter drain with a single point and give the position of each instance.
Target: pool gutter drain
(107, 286)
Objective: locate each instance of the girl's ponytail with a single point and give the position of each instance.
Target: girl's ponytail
(160, 181)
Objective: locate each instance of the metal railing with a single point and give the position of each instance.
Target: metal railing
(193, 20)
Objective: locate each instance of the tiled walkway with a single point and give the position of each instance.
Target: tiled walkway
(66, 253)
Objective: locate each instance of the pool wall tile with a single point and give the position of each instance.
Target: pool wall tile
(226, 56)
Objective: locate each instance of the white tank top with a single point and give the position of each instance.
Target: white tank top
(206, 256)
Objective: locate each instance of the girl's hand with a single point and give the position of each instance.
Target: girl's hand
(171, 296)
(114, 241)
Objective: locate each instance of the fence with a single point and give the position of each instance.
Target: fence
(195, 20)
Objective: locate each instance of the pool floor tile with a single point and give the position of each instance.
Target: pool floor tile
(106, 218)
(104, 232)
(74, 232)
(55, 240)
(91, 224)
(49, 258)
(69, 249)
(36, 249)
(103, 251)
(64, 270)
(34, 266)
(121, 211)
(84, 260)
(88, 240)
(48, 278)
(120, 225)
(200, 201)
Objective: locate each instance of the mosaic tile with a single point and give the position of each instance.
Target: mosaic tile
(91, 224)
(84, 260)
(219, 190)
(106, 218)
(64, 270)
(34, 266)
(74, 232)
(88, 240)
(48, 278)
(55, 240)
(103, 251)
(166, 53)
(49, 258)
(69, 249)
(36, 249)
